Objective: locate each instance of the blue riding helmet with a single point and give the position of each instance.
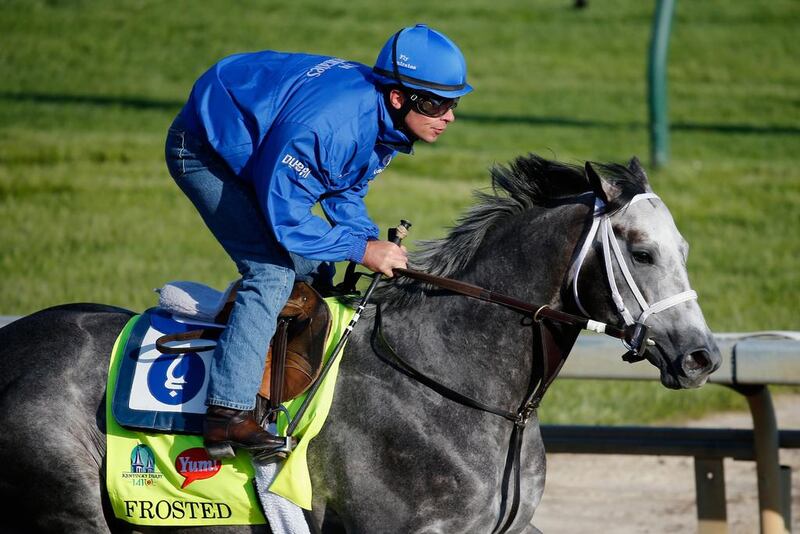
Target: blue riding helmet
(425, 59)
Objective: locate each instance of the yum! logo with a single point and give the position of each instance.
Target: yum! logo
(195, 464)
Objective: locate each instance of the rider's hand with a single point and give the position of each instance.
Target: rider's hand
(383, 256)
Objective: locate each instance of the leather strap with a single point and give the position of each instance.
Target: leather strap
(386, 352)
(513, 460)
(208, 334)
(553, 357)
(537, 312)
(278, 363)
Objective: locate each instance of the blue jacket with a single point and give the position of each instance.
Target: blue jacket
(302, 129)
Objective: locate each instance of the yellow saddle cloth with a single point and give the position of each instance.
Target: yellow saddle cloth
(158, 479)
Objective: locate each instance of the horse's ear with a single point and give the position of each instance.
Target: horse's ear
(604, 190)
(635, 166)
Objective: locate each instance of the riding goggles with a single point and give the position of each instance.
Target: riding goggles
(430, 105)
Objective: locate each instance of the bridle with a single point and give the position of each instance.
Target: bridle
(633, 335)
(602, 227)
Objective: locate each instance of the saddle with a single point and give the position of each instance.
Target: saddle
(294, 356)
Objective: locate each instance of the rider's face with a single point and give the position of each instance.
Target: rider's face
(426, 128)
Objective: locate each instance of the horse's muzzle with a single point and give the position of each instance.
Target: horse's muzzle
(698, 364)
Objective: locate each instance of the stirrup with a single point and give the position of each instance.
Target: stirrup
(267, 418)
(275, 454)
(218, 451)
(223, 450)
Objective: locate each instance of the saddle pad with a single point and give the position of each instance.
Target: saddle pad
(168, 479)
(165, 479)
(157, 391)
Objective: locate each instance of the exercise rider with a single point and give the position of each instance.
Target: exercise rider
(265, 136)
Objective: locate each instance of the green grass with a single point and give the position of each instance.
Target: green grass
(87, 90)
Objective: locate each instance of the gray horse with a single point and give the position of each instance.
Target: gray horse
(395, 455)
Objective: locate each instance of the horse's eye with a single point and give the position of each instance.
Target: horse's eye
(641, 256)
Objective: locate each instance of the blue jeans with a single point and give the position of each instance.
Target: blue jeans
(230, 209)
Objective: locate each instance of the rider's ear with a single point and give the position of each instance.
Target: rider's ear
(635, 166)
(396, 98)
(605, 190)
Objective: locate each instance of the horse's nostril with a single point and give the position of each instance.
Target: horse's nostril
(696, 360)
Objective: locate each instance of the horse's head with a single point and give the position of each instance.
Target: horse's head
(631, 271)
(643, 282)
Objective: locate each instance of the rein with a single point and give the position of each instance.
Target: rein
(553, 360)
(526, 308)
(551, 365)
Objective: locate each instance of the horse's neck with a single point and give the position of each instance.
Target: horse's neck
(479, 348)
(473, 347)
(529, 258)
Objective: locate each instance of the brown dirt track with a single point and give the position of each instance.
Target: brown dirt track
(656, 494)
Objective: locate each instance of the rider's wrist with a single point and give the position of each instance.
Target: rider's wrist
(357, 250)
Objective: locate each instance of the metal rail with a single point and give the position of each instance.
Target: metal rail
(765, 427)
(659, 441)
(708, 446)
(750, 363)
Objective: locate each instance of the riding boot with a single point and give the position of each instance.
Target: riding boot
(226, 428)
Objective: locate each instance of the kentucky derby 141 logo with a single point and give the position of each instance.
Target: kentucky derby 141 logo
(195, 464)
(143, 467)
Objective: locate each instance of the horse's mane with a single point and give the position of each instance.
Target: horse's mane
(527, 182)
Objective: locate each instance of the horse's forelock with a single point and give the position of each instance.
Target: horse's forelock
(627, 180)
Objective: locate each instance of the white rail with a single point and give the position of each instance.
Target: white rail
(755, 358)
(750, 363)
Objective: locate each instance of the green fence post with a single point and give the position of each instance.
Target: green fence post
(657, 82)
